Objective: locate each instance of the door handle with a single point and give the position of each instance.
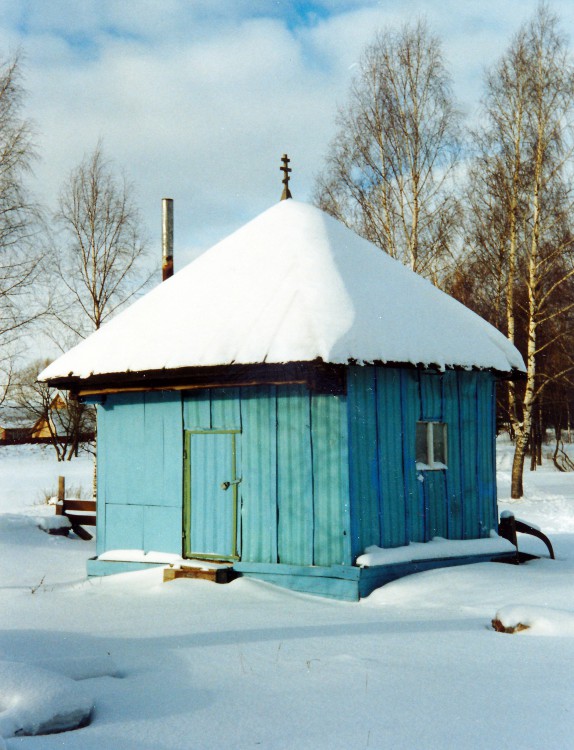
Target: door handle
(227, 485)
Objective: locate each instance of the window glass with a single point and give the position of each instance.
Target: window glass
(430, 448)
(421, 443)
(439, 443)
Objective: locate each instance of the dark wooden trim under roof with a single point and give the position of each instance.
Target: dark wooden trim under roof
(318, 376)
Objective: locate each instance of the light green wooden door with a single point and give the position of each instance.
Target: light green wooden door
(211, 492)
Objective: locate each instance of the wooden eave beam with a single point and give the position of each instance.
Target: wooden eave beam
(317, 376)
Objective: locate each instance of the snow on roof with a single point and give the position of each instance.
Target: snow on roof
(293, 284)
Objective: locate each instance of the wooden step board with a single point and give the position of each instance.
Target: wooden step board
(217, 575)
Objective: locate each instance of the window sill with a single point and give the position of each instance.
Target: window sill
(430, 467)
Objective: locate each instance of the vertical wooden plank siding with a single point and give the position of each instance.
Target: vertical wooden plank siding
(363, 459)
(101, 444)
(414, 498)
(431, 396)
(391, 473)
(197, 410)
(258, 488)
(162, 449)
(457, 502)
(119, 472)
(432, 488)
(294, 488)
(225, 409)
(453, 503)
(453, 475)
(331, 540)
(435, 496)
(294, 476)
(468, 425)
(140, 467)
(486, 458)
(123, 458)
(322, 477)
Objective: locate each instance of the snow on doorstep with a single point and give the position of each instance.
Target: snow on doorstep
(138, 555)
(204, 564)
(437, 548)
(163, 558)
(292, 285)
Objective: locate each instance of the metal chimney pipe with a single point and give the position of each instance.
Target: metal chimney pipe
(167, 238)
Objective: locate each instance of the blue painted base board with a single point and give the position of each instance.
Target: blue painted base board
(95, 567)
(349, 583)
(373, 578)
(343, 582)
(335, 582)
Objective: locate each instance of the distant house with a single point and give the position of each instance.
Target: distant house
(289, 399)
(44, 427)
(14, 435)
(15, 427)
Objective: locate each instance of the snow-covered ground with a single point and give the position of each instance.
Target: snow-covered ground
(192, 665)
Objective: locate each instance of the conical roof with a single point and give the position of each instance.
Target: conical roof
(292, 285)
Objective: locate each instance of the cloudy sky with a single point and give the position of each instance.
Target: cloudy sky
(197, 99)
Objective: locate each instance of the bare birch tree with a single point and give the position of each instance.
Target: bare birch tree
(389, 170)
(20, 248)
(101, 265)
(523, 204)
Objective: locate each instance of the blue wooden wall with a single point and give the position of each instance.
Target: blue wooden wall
(292, 460)
(322, 476)
(392, 502)
(140, 472)
(294, 470)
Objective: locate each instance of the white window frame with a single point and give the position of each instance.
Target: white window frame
(431, 464)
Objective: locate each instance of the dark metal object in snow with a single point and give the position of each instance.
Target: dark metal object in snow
(508, 528)
(285, 169)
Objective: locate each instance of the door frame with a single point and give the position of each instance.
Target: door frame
(187, 499)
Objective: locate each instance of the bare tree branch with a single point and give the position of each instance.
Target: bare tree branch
(101, 265)
(390, 169)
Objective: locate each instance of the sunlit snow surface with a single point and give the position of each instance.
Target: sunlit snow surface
(190, 665)
(291, 285)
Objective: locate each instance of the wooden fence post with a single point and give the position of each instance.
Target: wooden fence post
(61, 495)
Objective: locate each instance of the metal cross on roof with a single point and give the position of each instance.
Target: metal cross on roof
(285, 169)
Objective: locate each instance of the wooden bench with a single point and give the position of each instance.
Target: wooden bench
(79, 513)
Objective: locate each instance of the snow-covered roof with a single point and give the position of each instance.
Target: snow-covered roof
(292, 285)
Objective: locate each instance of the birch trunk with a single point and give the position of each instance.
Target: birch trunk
(512, 252)
(517, 488)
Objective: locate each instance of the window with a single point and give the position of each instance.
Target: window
(431, 445)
